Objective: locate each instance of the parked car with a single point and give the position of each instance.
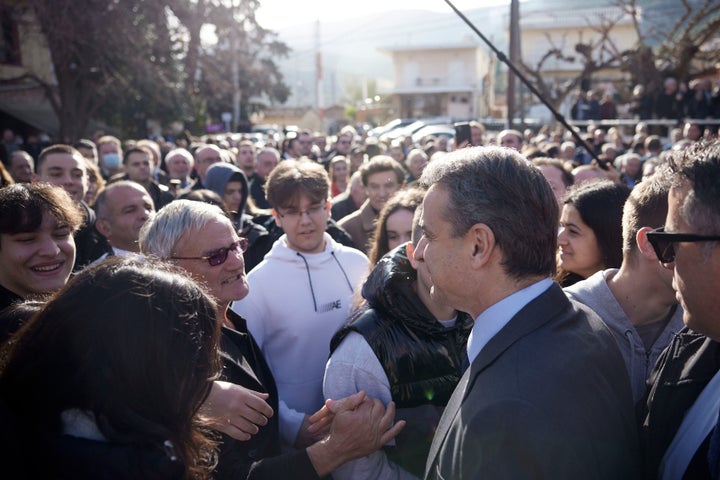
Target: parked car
(447, 131)
(392, 125)
(414, 127)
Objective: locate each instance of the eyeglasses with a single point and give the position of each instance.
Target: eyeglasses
(219, 256)
(663, 242)
(296, 215)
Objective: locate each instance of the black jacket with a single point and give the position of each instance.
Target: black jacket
(417, 353)
(680, 375)
(421, 358)
(260, 457)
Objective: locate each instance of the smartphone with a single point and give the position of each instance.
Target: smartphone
(462, 133)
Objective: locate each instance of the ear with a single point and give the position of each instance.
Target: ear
(410, 250)
(278, 219)
(481, 244)
(644, 246)
(103, 227)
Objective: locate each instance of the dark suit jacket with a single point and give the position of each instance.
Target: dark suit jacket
(547, 397)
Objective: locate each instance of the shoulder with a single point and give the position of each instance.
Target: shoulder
(350, 220)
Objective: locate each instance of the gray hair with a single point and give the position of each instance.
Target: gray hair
(183, 153)
(498, 187)
(160, 234)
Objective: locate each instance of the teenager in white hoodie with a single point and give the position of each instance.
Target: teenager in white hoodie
(301, 292)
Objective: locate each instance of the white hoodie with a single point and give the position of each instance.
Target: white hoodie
(296, 303)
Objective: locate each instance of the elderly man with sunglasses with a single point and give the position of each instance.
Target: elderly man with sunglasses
(198, 238)
(680, 427)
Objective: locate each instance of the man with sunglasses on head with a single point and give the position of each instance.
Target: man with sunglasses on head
(680, 432)
(301, 292)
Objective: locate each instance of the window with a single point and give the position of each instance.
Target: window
(9, 38)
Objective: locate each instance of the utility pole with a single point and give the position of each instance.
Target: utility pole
(235, 72)
(514, 54)
(319, 108)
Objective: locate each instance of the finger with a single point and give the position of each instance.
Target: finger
(348, 403)
(320, 414)
(250, 416)
(232, 431)
(262, 395)
(259, 405)
(392, 432)
(388, 417)
(244, 425)
(321, 432)
(321, 425)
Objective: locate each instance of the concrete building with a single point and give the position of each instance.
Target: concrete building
(444, 80)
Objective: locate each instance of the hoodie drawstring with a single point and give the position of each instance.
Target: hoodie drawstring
(307, 269)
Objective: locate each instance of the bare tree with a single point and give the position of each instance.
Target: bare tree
(596, 54)
(680, 44)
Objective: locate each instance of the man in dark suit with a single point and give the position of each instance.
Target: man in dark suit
(546, 394)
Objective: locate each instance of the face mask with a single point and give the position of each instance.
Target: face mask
(111, 160)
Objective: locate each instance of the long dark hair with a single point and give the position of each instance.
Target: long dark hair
(600, 205)
(409, 199)
(135, 345)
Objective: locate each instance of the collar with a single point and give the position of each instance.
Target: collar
(494, 318)
(368, 216)
(119, 252)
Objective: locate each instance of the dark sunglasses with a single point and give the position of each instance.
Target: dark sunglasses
(218, 257)
(663, 242)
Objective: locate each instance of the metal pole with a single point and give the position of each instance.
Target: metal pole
(501, 56)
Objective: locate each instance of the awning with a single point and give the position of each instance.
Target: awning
(38, 115)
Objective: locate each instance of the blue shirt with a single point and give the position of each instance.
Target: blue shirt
(494, 318)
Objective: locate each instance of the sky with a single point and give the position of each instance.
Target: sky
(274, 14)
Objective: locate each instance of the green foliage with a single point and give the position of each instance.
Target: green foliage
(123, 61)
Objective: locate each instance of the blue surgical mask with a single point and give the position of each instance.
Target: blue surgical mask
(111, 160)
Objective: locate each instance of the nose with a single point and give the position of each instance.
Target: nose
(304, 216)
(562, 236)
(236, 260)
(419, 252)
(48, 247)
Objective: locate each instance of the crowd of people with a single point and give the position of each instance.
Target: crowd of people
(675, 101)
(519, 305)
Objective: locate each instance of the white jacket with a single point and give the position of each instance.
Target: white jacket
(296, 303)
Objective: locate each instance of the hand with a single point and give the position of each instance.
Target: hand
(236, 411)
(360, 426)
(320, 421)
(306, 436)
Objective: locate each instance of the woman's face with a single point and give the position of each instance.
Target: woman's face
(578, 247)
(340, 171)
(37, 262)
(399, 227)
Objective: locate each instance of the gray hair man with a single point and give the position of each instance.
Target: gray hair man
(525, 407)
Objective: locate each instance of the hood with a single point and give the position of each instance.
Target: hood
(389, 290)
(218, 176)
